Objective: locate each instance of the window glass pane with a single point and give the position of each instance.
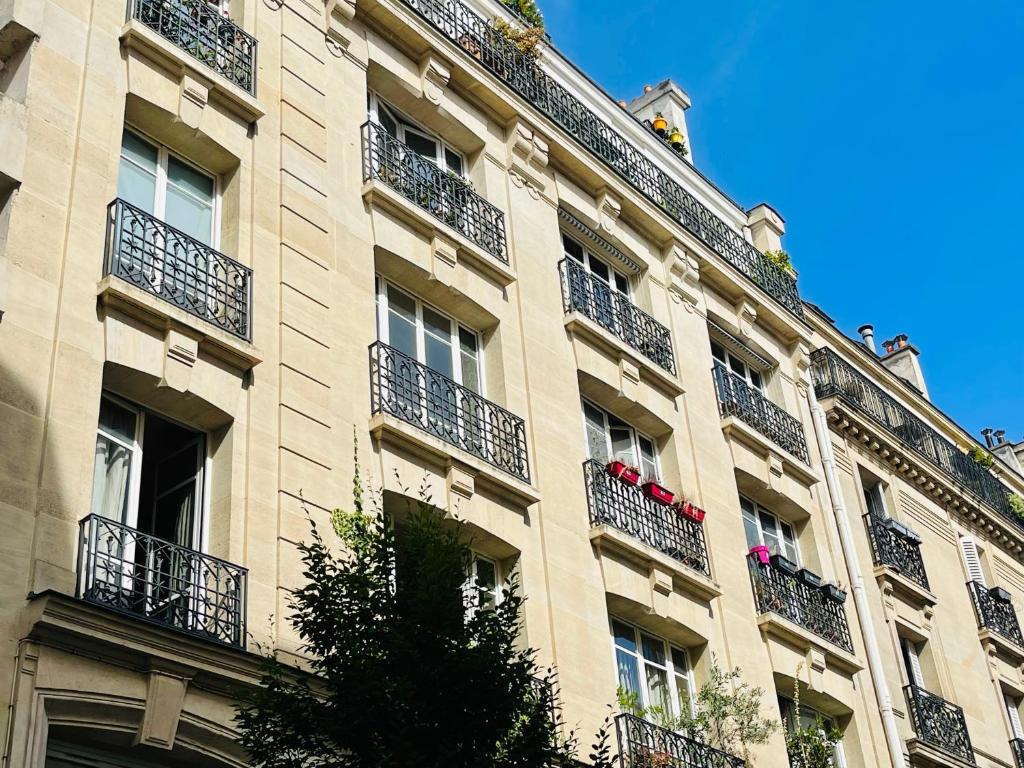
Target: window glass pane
(190, 181)
(487, 581)
(387, 123)
(136, 179)
(438, 355)
(755, 379)
(768, 531)
(189, 214)
(599, 269)
(138, 151)
(876, 504)
(117, 420)
(469, 359)
(654, 649)
(658, 693)
(421, 145)
(597, 438)
(401, 322)
(629, 671)
(648, 462)
(437, 324)
(680, 662)
(788, 541)
(453, 161)
(622, 283)
(110, 480)
(572, 248)
(717, 351)
(737, 366)
(622, 444)
(625, 637)
(750, 529)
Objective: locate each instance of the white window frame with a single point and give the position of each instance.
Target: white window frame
(384, 332)
(754, 377)
(160, 193)
(620, 282)
(635, 436)
(471, 582)
(779, 523)
(671, 671)
(405, 124)
(874, 496)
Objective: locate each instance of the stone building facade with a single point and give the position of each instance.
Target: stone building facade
(240, 242)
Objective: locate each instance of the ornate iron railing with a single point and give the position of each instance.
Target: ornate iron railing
(1017, 747)
(199, 29)
(737, 398)
(582, 292)
(891, 547)
(627, 509)
(786, 594)
(161, 582)
(177, 268)
(833, 376)
(939, 723)
(407, 389)
(523, 75)
(995, 613)
(642, 744)
(443, 195)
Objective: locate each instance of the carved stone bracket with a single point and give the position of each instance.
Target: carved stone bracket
(683, 276)
(746, 316)
(434, 75)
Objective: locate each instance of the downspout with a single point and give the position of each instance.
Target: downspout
(860, 595)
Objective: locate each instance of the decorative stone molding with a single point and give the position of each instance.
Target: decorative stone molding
(337, 15)
(527, 157)
(165, 696)
(180, 353)
(609, 208)
(434, 75)
(683, 275)
(195, 95)
(746, 316)
(461, 482)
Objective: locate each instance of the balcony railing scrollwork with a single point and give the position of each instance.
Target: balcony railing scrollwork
(1017, 747)
(939, 724)
(443, 195)
(199, 29)
(642, 744)
(584, 293)
(893, 548)
(995, 613)
(408, 390)
(523, 75)
(834, 377)
(786, 594)
(161, 582)
(164, 261)
(737, 398)
(627, 509)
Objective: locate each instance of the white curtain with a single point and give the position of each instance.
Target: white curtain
(110, 479)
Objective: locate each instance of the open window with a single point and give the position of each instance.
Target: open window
(972, 559)
(765, 528)
(609, 438)
(805, 717)
(484, 584)
(425, 144)
(1013, 704)
(652, 671)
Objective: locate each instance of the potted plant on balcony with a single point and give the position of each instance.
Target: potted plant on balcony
(810, 578)
(675, 138)
(627, 473)
(657, 492)
(1016, 502)
(835, 593)
(781, 260)
(784, 564)
(659, 124)
(762, 553)
(690, 511)
(1000, 594)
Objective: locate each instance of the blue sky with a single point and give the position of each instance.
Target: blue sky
(888, 136)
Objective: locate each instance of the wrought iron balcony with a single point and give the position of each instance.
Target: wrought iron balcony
(161, 582)
(643, 744)
(199, 29)
(1017, 747)
(177, 268)
(627, 509)
(443, 195)
(523, 75)
(939, 723)
(892, 547)
(833, 376)
(995, 612)
(786, 594)
(582, 292)
(737, 398)
(407, 389)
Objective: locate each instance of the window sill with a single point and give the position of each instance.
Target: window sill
(922, 754)
(388, 429)
(910, 592)
(136, 36)
(735, 428)
(448, 245)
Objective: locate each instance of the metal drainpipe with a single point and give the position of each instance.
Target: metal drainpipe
(860, 596)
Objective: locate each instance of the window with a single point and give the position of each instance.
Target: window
(420, 141)
(807, 717)
(972, 560)
(657, 672)
(157, 490)
(1012, 704)
(912, 661)
(731, 362)
(483, 584)
(611, 438)
(765, 528)
(167, 187)
(595, 266)
(874, 498)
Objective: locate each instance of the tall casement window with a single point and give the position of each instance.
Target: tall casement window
(1012, 704)
(149, 473)
(658, 673)
(807, 717)
(419, 140)
(595, 267)
(167, 187)
(483, 584)
(972, 560)
(738, 366)
(597, 286)
(911, 652)
(874, 499)
(763, 527)
(611, 438)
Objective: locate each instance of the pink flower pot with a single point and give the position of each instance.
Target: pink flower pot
(690, 511)
(762, 553)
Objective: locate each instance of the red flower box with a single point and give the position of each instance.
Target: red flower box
(657, 492)
(763, 554)
(627, 474)
(691, 511)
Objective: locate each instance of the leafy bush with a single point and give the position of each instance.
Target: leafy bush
(528, 10)
(981, 457)
(780, 259)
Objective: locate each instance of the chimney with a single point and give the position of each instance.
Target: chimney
(766, 227)
(1008, 452)
(671, 101)
(902, 358)
(867, 332)
(1000, 436)
(987, 434)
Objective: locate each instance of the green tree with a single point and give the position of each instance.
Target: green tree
(810, 746)
(402, 674)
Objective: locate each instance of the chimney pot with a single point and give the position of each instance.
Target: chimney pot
(867, 332)
(622, 103)
(901, 340)
(648, 88)
(987, 434)
(1000, 436)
